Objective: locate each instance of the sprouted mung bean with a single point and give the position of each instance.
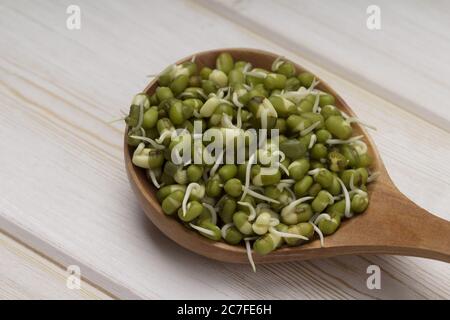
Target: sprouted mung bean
(318, 177)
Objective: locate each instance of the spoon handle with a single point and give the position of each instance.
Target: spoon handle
(426, 235)
(407, 229)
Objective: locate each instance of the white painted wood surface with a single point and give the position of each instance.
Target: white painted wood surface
(406, 61)
(63, 187)
(24, 274)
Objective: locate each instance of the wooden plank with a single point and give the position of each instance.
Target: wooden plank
(64, 189)
(406, 61)
(24, 274)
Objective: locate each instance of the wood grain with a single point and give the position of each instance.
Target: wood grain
(63, 185)
(27, 275)
(392, 224)
(406, 61)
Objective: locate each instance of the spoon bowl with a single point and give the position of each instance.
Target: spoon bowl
(392, 224)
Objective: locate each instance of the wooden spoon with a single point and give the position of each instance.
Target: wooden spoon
(392, 224)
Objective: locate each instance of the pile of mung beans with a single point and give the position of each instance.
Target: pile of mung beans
(320, 178)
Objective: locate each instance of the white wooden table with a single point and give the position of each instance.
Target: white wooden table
(64, 195)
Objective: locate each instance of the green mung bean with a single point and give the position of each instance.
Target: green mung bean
(315, 176)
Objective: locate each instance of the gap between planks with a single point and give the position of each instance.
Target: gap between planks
(23, 258)
(253, 26)
(93, 274)
(62, 260)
